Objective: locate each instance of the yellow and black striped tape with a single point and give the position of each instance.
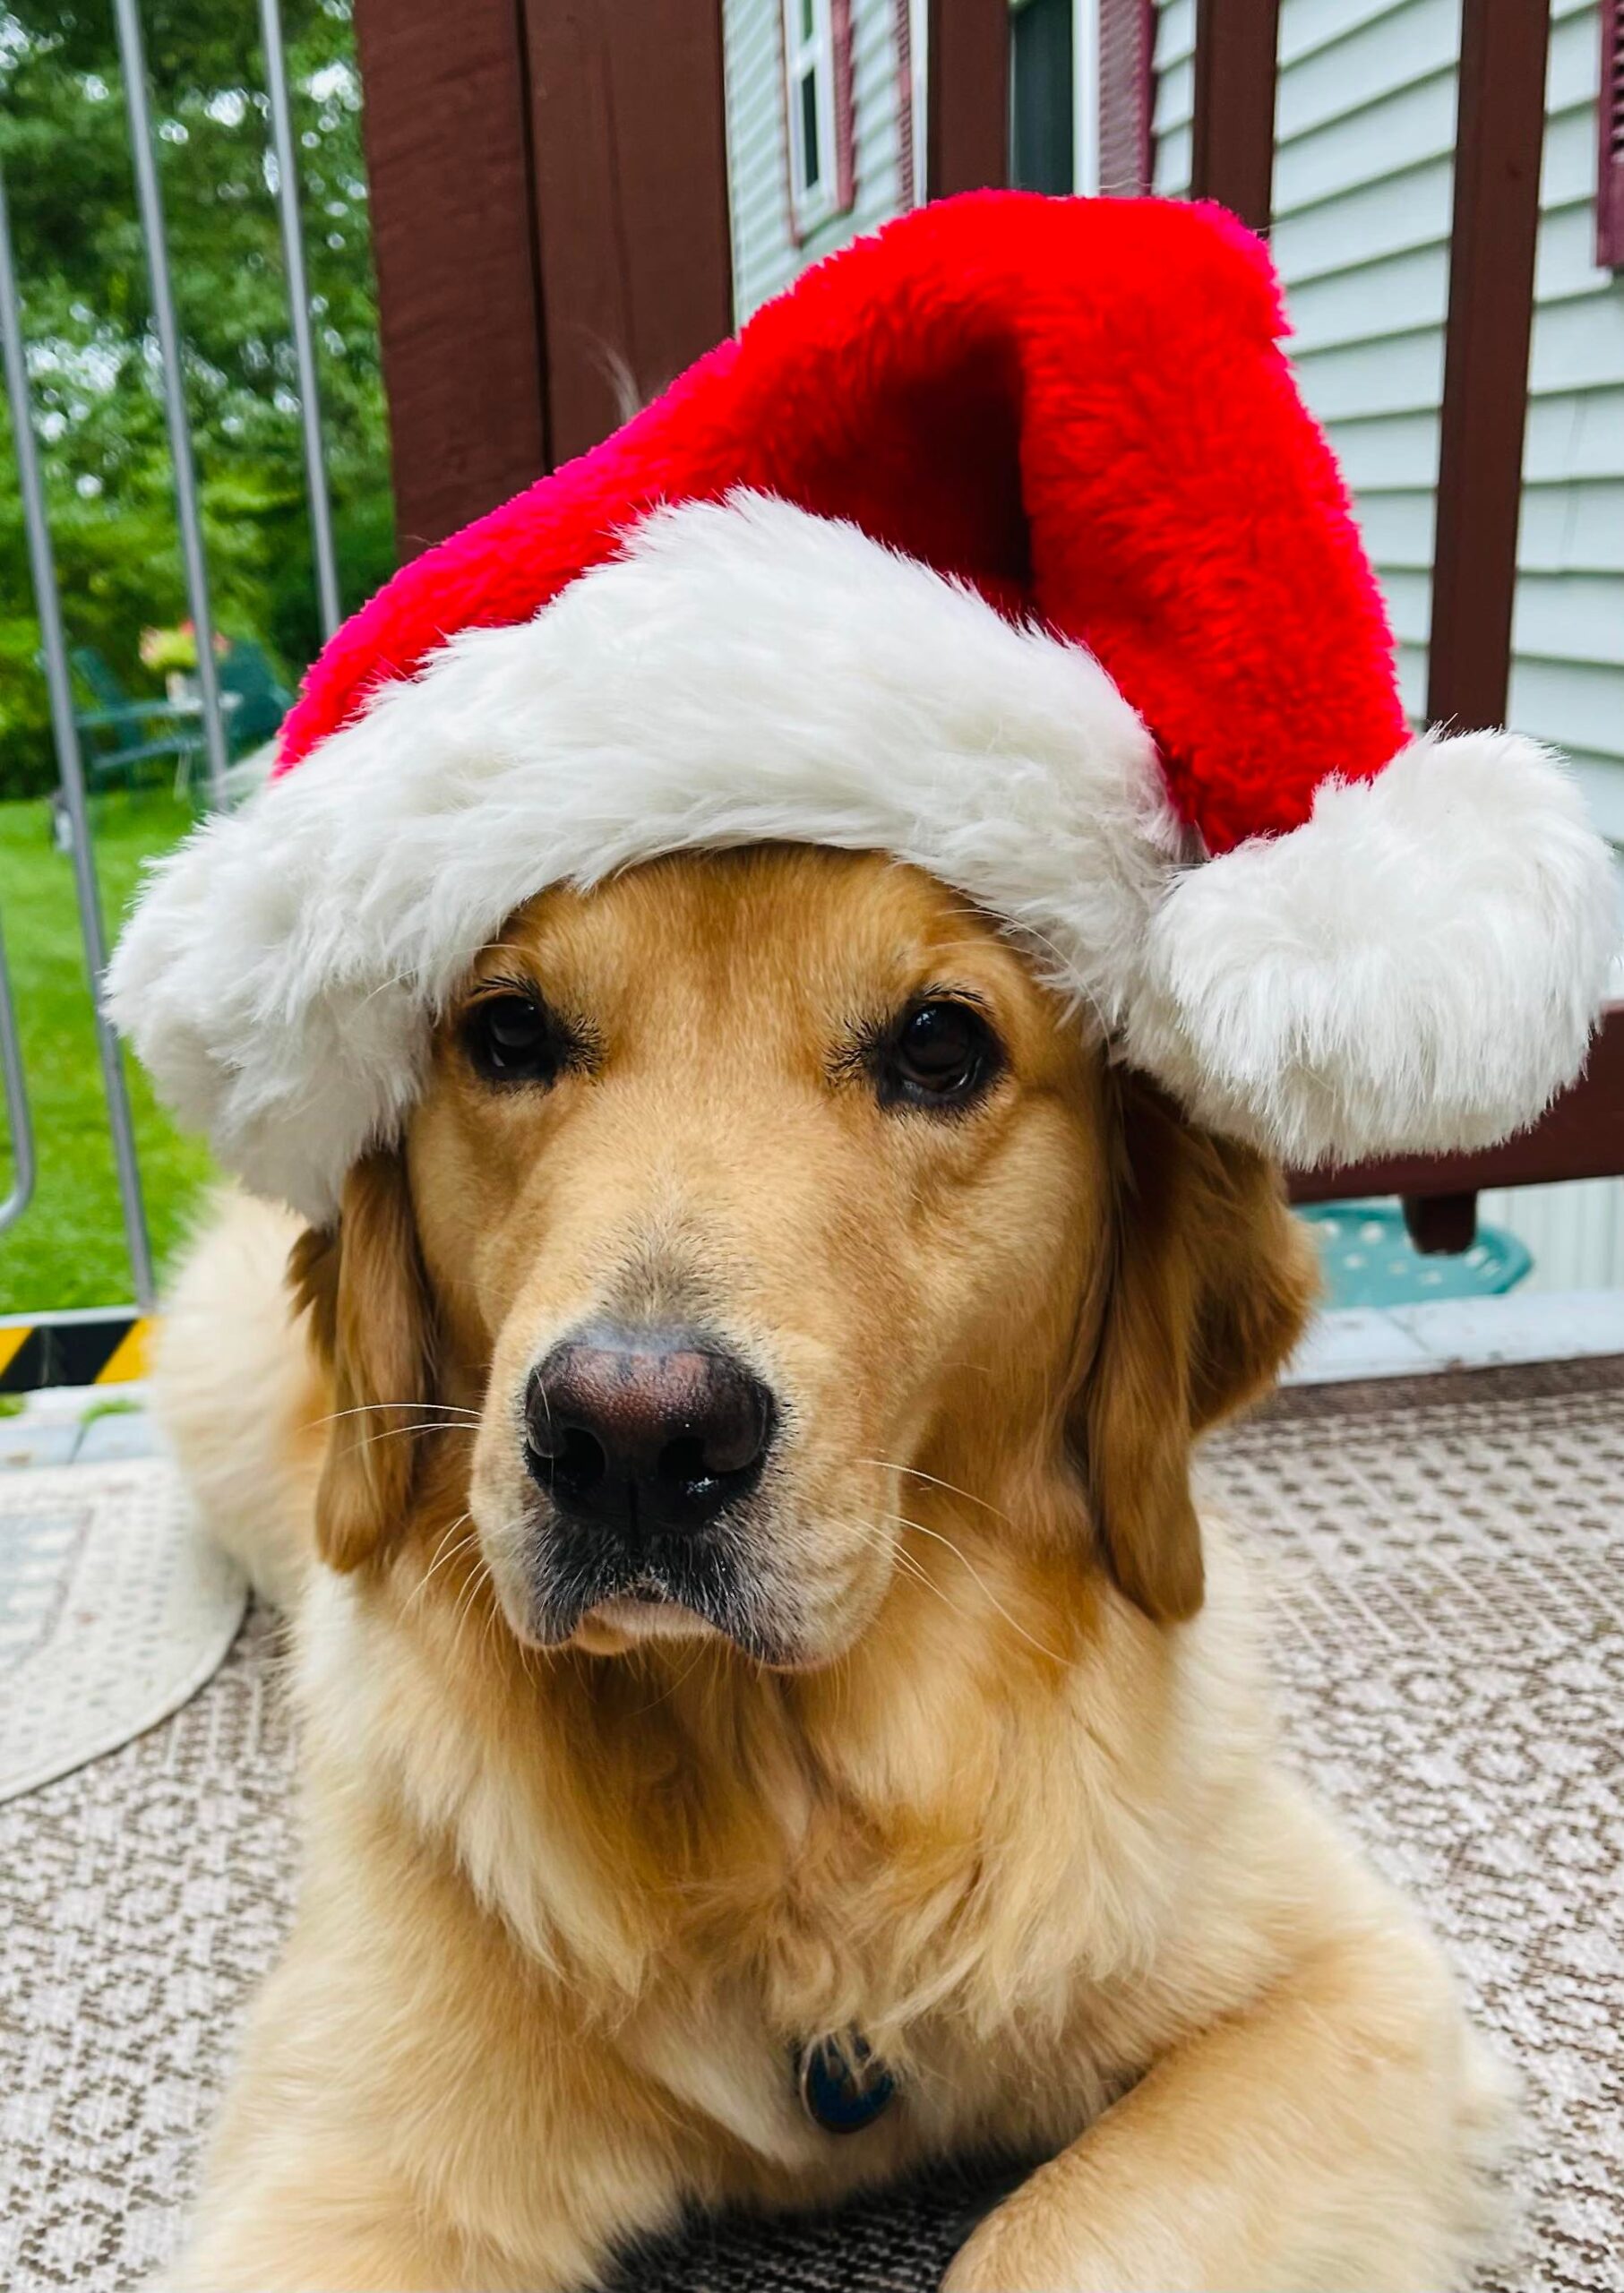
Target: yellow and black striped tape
(88, 1349)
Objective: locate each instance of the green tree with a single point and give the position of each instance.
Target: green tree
(92, 356)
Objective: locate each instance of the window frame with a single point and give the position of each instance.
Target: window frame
(1123, 35)
(810, 204)
(910, 32)
(1610, 140)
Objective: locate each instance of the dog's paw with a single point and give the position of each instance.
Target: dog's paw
(1033, 2245)
(1011, 2253)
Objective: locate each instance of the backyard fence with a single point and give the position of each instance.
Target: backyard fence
(37, 1350)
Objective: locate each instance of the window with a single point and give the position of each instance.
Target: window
(818, 103)
(1080, 95)
(1041, 102)
(1610, 166)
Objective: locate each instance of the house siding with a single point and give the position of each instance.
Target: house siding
(1568, 635)
(1363, 182)
(766, 253)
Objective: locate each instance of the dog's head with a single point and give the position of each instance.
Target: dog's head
(754, 1201)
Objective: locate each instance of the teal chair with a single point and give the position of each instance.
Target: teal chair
(120, 733)
(256, 702)
(1368, 1259)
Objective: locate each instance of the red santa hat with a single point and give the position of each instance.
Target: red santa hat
(1002, 543)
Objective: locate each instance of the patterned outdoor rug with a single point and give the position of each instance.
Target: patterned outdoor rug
(1447, 1562)
(112, 1612)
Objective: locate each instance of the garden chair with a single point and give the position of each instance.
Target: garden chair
(122, 732)
(255, 701)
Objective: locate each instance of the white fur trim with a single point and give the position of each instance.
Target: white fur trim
(1415, 970)
(743, 672)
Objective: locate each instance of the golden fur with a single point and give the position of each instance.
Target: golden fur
(1009, 1801)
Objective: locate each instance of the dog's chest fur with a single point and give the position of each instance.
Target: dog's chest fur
(709, 1882)
(805, 1910)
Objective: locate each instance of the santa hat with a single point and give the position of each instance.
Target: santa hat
(1002, 543)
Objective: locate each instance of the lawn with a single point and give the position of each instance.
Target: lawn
(68, 1248)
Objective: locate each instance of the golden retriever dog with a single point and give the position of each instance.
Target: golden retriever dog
(771, 1716)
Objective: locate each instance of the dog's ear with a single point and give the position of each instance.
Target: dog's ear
(1204, 1291)
(361, 1283)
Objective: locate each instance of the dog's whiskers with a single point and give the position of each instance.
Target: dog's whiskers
(367, 1408)
(986, 1591)
(478, 1576)
(914, 1473)
(988, 1595)
(908, 1563)
(424, 1425)
(440, 1556)
(492, 1615)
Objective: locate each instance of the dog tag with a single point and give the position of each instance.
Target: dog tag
(843, 2087)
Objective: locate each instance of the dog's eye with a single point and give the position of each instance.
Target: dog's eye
(514, 1039)
(942, 1055)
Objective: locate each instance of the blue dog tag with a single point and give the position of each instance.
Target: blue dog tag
(843, 2088)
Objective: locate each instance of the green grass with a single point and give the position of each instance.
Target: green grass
(68, 1248)
(99, 1408)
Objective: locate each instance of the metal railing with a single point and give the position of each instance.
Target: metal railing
(149, 200)
(54, 651)
(298, 310)
(19, 1119)
(70, 764)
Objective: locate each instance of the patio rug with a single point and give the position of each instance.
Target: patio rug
(112, 1612)
(1446, 1561)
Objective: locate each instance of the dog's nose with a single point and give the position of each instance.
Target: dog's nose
(637, 1429)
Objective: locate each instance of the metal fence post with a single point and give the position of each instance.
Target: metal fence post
(54, 644)
(18, 1118)
(299, 311)
(148, 199)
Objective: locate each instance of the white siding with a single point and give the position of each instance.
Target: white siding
(1576, 1233)
(1568, 680)
(1175, 42)
(766, 256)
(1365, 126)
